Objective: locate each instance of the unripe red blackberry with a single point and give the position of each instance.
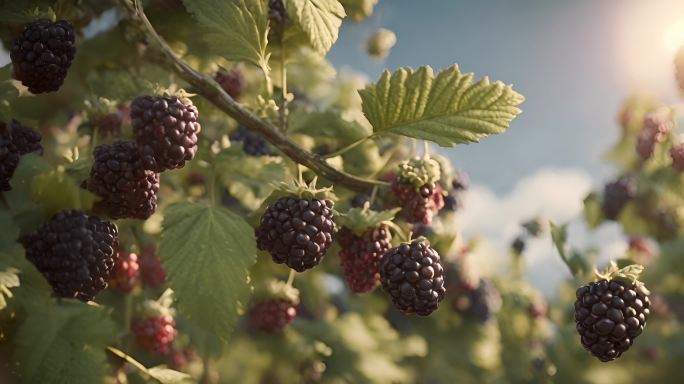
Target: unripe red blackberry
(610, 314)
(42, 54)
(15, 140)
(416, 188)
(360, 256)
(272, 315)
(151, 268)
(677, 155)
(616, 195)
(412, 274)
(154, 334)
(252, 143)
(121, 178)
(75, 252)
(296, 231)
(656, 125)
(126, 273)
(232, 81)
(166, 130)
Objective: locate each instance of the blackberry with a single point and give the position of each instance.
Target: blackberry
(518, 245)
(296, 231)
(272, 315)
(616, 195)
(152, 271)
(126, 273)
(610, 314)
(75, 252)
(276, 11)
(461, 181)
(677, 155)
(232, 81)
(108, 124)
(166, 130)
(358, 201)
(15, 140)
(413, 276)
(360, 256)
(479, 303)
(418, 205)
(252, 143)
(120, 177)
(42, 54)
(154, 334)
(452, 202)
(656, 125)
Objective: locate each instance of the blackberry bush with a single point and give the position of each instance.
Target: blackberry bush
(412, 275)
(120, 177)
(296, 231)
(166, 130)
(611, 312)
(75, 252)
(42, 54)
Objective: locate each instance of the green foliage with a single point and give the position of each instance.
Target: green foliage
(447, 109)
(161, 374)
(358, 220)
(593, 213)
(207, 253)
(55, 190)
(320, 21)
(64, 343)
(235, 29)
(9, 278)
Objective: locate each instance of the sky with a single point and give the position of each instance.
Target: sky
(574, 61)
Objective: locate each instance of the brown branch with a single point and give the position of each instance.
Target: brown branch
(212, 91)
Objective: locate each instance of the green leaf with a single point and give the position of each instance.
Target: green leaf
(447, 109)
(559, 236)
(593, 213)
(358, 220)
(320, 20)
(9, 278)
(159, 373)
(235, 29)
(64, 343)
(55, 190)
(207, 253)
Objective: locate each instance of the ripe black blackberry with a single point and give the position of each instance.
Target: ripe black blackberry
(413, 276)
(479, 303)
(296, 231)
(252, 143)
(518, 245)
(152, 271)
(166, 130)
(616, 194)
(42, 54)
(359, 201)
(121, 178)
(232, 81)
(16, 140)
(610, 314)
(360, 256)
(75, 252)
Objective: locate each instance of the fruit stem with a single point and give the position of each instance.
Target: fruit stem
(291, 277)
(205, 85)
(347, 147)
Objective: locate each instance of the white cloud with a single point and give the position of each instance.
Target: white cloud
(551, 194)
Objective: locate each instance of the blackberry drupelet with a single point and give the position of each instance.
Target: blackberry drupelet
(42, 54)
(232, 81)
(609, 315)
(126, 273)
(360, 256)
(252, 143)
(121, 178)
(16, 140)
(166, 130)
(272, 315)
(296, 231)
(616, 195)
(418, 205)
(75, 252)
(413, 276)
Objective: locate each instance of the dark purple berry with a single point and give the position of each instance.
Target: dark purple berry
(360, 256)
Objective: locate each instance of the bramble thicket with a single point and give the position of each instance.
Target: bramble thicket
(191, 192)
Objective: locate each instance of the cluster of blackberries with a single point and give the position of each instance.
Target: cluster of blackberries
(412, 274)
(360, 256)
(16, 140)
(75, 252)
(297, 231)
(616, 195)
(610, 314)
(252, 143)
(42, 54)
